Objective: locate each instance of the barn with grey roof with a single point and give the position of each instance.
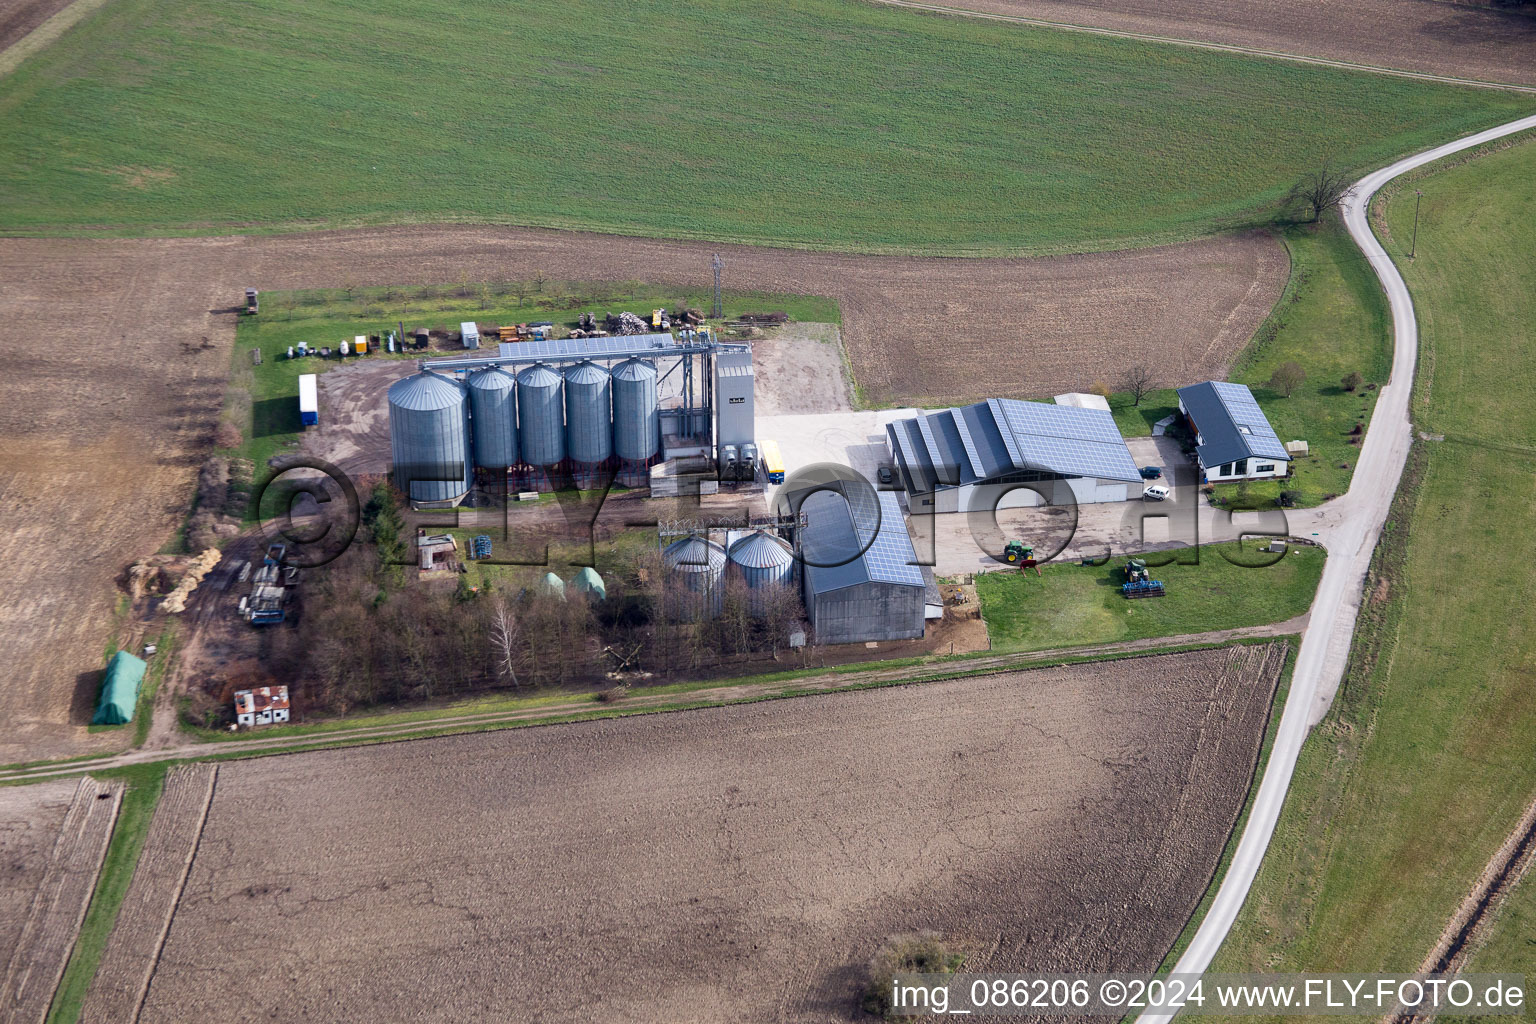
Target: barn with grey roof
(860, 578)
(1233, 438)
(957, 460)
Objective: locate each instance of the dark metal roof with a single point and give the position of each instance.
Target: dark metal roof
(1230, 423)
(861, 541)
(1002, 435)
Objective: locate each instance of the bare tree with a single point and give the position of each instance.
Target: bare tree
(506, 635)
(1321, 190)
(1287, 378)
(1139, 382)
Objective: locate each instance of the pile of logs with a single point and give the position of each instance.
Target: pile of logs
(759, 320)
(626, 323)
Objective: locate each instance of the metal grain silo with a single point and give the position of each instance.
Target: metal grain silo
(636, 423)
(541, 426)
(588, 414)
(695, 568)
(429, 438)
(760, 560)
(493, 417)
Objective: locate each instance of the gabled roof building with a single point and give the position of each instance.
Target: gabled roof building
(1233, 438)
(957, 460)
(860, 578)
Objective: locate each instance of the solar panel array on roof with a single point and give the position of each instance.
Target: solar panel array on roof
(579, 347)
(1002, 435)
(836, 533)
(1231, 424)
(1250, 419)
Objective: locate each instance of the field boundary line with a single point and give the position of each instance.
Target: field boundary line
(707, 696)
(1232, 48)
(44, 35)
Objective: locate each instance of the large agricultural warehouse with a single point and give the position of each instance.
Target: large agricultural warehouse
(861, 581)
(962, 459)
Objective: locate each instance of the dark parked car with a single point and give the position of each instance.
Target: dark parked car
(884, 475)
(1151, 472)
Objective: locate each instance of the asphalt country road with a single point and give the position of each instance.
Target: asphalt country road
(1356, 521)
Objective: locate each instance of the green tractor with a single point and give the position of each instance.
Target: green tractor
(1136, 571)
(1016, 552)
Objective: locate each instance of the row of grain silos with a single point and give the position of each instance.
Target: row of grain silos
(539, 420)
(699, 569)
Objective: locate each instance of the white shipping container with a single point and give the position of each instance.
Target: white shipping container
(309, 400)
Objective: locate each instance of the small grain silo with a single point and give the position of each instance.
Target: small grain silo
(761, 561)
(429, 437)
(588, 420)
(695, 567)
(493, 418)
(636, 421)
(541, 421)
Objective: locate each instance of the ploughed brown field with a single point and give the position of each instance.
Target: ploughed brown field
(1459, 40)
(20, 17)
(728, 864)
(116, 353)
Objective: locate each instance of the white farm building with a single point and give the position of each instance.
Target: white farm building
(959, 460)
(1233, 438)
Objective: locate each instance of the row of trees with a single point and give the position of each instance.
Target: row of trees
(370, 634)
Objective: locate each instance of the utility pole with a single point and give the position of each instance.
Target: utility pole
(717, 264)
(1414, 248)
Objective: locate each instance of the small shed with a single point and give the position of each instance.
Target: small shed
(120, 691)
(265, 705)
(590, 585)
(436, 551)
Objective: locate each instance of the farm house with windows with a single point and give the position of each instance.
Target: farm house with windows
(1233, 438)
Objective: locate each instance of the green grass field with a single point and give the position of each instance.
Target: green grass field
(1331, 320)
(826, 123)
(1424, 766)
(1072, 605)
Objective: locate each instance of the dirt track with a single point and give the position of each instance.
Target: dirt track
(115, 353)
(720, 865)
(1428, 36)
(19, 17)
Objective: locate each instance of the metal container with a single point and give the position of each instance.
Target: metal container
(429, 437)
(541, 422)
(588, 413)
(493, 417)
(695, 586)
(761, 561)
(636, 423)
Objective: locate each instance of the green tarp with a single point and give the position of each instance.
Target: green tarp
(120, 693)
(590, 583)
